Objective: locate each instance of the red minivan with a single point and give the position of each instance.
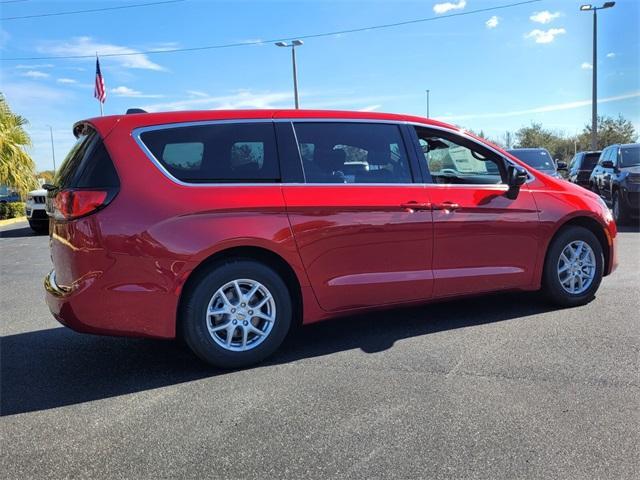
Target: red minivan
(228, 228)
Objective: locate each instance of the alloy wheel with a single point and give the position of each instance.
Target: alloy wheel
(576, 267)
(240, 315)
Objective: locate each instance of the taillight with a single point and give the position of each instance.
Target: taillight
(72, 203)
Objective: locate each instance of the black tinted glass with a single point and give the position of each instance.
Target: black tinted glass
(589, 161)
(630, 156)
(98, 169)
(345, 152)
(539, 159)
(71, 164)
(87, 165)
(240, 152)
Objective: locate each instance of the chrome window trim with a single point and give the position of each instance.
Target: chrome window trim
(137, 132)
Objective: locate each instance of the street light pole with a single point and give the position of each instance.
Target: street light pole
(594, 72)
(428, 103)
(293, 45)
(594, 84)
(53, 150)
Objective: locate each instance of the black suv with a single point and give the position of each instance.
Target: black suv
(616, 178)
(581, 166)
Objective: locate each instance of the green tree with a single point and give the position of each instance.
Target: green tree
(17, 169)
(46, 175)
(535, 136)
(610, 130)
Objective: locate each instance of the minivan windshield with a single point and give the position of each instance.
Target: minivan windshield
(630, 156)
(538, 158)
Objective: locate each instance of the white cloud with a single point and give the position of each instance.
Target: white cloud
(196, 93)
(492, 22)
(611, 55)
(27, 94)
(67, 81)
(440, 8)
(123, 91)
(88, 46)
(237, 100)
(542, 36)
(31, 67)
(544, 109)
(370, 108)
(586, 66)
(544, 17)
(35, 74)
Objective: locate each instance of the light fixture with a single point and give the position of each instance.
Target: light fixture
(582, 7)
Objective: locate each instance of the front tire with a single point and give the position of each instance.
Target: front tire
(236, 314)
(573, 267)
(619, 212)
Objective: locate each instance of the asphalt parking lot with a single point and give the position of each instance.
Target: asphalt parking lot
(494, 387)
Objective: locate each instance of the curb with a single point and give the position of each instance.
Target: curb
(10, 221)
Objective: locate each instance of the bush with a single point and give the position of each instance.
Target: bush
(11, 210)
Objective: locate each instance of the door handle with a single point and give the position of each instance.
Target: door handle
(413, 206)
(448, 206)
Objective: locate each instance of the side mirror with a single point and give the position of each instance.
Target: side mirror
(561, 165)
(516, 177)
(607, 164)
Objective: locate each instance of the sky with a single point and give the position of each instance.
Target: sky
(494, 71)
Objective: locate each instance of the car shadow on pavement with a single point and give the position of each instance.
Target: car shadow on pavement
(631, 228)
(52, 368)
(18, 233)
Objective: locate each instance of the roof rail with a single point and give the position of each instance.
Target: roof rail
(135, 110)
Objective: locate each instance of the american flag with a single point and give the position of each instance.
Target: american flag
(99, 92)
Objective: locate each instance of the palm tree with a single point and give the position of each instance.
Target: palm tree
(17, 169)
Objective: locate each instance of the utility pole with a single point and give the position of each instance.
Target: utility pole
(594, 78)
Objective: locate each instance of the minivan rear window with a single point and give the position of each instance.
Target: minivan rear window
(87, 165)
(216, 153)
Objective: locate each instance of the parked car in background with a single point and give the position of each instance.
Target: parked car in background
(229, 228)
(616, 178)
(36, 212)
(581, 166)
(10, 197)
(540, 159)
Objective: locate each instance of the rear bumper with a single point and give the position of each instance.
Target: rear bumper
(90, 306)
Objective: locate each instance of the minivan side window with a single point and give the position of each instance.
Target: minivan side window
(451, 159)
(216, 153)
(345, 152)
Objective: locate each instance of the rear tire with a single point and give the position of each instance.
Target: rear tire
(573, 267)
(225, 324)
(39, 228)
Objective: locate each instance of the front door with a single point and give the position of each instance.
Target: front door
(362, 226)
(483, 241)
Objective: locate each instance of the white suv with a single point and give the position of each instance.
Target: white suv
(36, 212)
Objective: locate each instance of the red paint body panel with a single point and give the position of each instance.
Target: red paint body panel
(359, 246)
(488, 243)
(351, 247)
